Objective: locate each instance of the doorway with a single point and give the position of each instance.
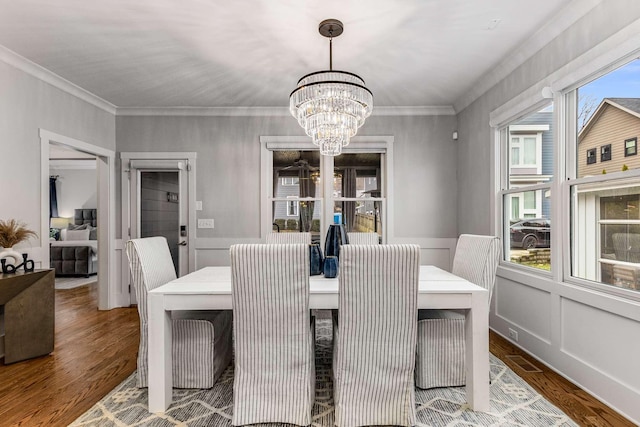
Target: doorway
(110, 294)
(156, 201)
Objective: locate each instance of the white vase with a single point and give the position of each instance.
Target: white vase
(13, 257)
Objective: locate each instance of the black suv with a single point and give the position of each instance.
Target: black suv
(531, 233)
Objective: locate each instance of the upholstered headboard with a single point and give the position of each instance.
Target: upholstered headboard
(86, 216)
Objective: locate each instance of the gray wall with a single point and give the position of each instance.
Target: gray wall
(28, 104)
(583, 334)
(228, 166)
(75, 189)
(473, 154)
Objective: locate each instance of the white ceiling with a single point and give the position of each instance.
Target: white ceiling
(213, 53)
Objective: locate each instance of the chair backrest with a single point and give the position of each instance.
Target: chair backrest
(151, 266)
(288, 238)
(477, 259)
(626, 246)
(270, 304)
(378, 312)
(363, 238)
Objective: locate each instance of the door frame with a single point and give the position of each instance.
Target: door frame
(125, 158)
(110, 295)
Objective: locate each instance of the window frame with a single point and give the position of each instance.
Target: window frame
(379, 144)
(635, 146)
(562, 87)
(288, 181)
(605, 150)
(293, 202)
(594, 156)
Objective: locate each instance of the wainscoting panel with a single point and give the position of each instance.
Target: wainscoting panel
(604, 341)
(520, 305)
(215, 251)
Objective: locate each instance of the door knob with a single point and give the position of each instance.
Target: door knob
(183, 243)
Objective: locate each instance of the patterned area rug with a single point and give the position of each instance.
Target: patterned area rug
(513, 401)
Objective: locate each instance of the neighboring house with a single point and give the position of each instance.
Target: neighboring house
(609, 139)
(530, 163)
(609, 142)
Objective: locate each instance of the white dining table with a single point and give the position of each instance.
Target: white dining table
(210, 289)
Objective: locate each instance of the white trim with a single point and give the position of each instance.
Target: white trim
(72, 164)
(23, 64)
(109, 295)
(528, 128)
(425, 110)
(125, 158)
(381, 143)
(562, 20)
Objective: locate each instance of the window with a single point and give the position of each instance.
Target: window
(630, 147)
(299, 197)
(528, 142)
(591, 156)
(292, 206)
(357, 191)
(290, 180)
(605, 207)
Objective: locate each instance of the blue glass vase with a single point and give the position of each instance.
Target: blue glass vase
(331, 266)
(316, 260)
(336, 236)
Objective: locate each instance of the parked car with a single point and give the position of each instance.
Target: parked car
(531, 233)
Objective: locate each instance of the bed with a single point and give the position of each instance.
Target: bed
(76, 252)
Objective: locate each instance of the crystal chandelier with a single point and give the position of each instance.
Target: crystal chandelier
(331, 105)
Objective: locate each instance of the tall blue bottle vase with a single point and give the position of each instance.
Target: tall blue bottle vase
(336, 236)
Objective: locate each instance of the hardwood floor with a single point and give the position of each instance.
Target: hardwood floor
(96, 350)
(584, 409)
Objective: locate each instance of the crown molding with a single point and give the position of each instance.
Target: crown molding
(202, 111)
(272, 111)
(21, 63)
(552, 29)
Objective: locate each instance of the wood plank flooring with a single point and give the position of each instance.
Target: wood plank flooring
(96, 350)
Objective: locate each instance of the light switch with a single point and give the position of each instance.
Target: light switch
(198, 205)
(205, 223)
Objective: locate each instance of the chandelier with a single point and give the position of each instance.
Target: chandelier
(331, 105)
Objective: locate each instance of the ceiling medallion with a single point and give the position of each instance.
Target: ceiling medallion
(331, 105)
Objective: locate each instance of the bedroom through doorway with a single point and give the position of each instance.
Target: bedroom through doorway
(73, 224)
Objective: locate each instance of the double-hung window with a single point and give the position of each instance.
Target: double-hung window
(605, 198)
(596, 194)
(526, 184)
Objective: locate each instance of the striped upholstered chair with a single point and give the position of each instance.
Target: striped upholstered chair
(363, 238)
(375, 337)
(441, 349)
(288, 238)
(202, 341)
(273, 332)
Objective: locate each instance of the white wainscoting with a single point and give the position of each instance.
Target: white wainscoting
(589, 337)
(434, 251)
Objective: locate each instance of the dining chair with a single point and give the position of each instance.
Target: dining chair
(375, 335)
(288, 238)
(440, 358)
(202, 341)
(356, 238)
(273, 333)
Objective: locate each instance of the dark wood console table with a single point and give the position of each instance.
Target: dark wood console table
(28, 301)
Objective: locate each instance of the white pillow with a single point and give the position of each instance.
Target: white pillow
(74, 234)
